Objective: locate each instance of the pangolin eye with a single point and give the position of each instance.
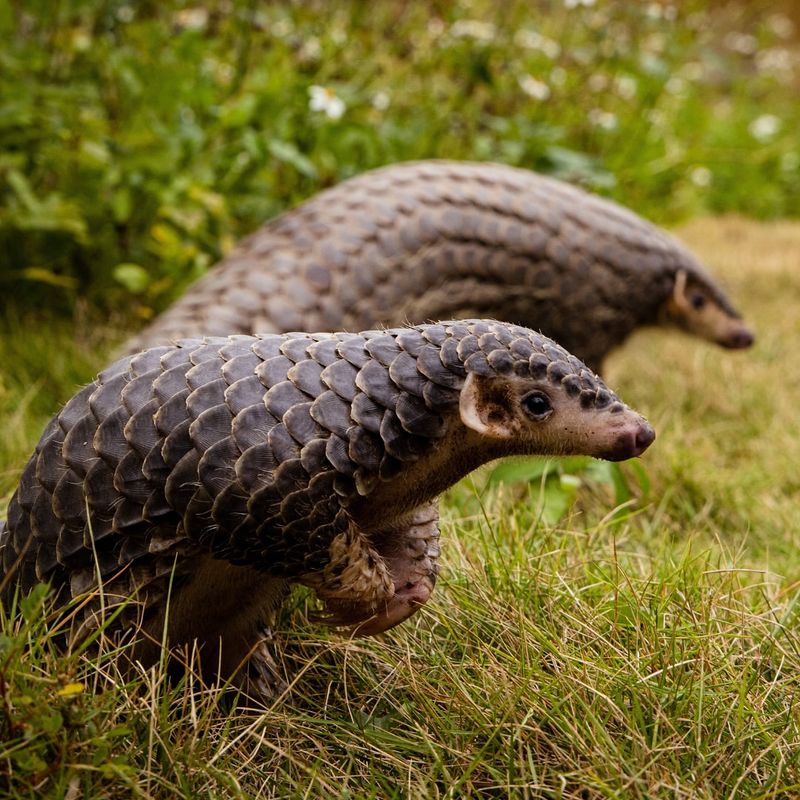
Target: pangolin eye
(537, 405)
(697, 300)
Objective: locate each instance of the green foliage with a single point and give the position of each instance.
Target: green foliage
(43, 361)
(555, 482)
(139, 140)
(67, 720)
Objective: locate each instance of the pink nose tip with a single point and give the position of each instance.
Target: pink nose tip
(631, 442)
(645, 436)
(740, 339)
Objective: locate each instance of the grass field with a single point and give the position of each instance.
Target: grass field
(644, 651)
(649, 654)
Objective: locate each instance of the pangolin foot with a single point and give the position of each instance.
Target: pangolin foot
(260, 678)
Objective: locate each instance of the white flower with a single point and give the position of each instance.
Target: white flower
(775, 60)
(326, 100)
(576, 3)
(436, 27)
(538, 90)
(193, 19)
(598, 82)
(675, 85)
(310, 50)
(781, 25)
(658, 11)
(764, 127)
(531, 40)
(473, 29)
(743, 43)
(625, 86)
(261, 22)
(606, 120)
(381, 100)
(282, 28)
(654, 10)
(125, 13)
(701, 176)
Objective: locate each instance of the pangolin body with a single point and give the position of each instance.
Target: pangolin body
(441, 239)
(219, 470)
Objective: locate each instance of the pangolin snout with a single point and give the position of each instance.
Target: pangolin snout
(739, 339)
(632, 441)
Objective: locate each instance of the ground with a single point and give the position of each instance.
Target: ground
(651, 653)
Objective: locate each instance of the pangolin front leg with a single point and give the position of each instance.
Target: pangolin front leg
(389, 575)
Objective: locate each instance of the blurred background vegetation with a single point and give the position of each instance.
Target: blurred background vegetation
(139, 140)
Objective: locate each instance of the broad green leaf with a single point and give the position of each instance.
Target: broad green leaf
(520, 469)
(133, 277)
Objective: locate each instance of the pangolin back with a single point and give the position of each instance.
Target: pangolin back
(440, 239)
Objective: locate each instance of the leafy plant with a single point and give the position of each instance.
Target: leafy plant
(138, 141)
(556, 482)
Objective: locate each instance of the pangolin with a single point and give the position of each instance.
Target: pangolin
(217, 471)
(440, 239)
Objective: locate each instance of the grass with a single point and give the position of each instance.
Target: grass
(645, 652)
(652, 654)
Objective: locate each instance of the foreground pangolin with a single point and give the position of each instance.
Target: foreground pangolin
(440, 239)
(217, 471)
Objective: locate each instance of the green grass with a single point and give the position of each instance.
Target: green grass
(652, 654)
(647, 653)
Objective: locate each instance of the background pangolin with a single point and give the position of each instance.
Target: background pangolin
(222, 469)
(438, 239)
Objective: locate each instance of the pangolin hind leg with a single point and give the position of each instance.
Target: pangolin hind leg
(260, 678)
(227, 611)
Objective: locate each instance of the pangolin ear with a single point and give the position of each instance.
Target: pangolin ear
(486, 406)
(679, 299)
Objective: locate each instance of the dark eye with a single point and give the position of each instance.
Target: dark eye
(697, 301)
(537, 405)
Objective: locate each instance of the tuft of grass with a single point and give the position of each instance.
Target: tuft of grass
(649, 653)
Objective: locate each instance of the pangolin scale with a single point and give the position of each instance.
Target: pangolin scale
(219, 470)
(429, 240)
